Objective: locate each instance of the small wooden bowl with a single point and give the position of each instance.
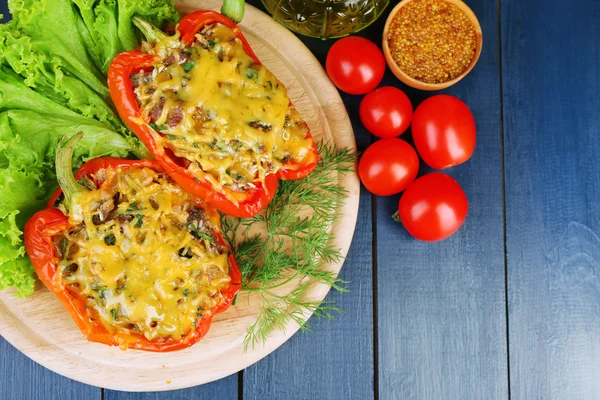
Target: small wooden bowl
(423, 85)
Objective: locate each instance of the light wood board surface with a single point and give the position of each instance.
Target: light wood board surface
(40, 328)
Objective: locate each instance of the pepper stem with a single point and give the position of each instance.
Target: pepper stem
(233, 9)
(152, 34)
(64, 168)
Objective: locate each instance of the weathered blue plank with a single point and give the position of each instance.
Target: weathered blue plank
(21, 378)
(225, 389)
(442, 320)
(335, 360)
(551, 80)
(4, 11)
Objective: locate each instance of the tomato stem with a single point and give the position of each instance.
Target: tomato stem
(396, 217)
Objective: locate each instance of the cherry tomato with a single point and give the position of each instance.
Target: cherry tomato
(355, 65)
(433, 207)
(443, 130)
(388, 166)
(386, 112)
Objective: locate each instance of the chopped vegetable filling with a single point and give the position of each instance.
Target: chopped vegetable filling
(227, 117)
(144, 255)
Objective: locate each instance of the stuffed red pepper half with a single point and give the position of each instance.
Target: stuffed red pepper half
(137, 261)
(219, 123)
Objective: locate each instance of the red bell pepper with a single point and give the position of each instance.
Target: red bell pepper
(51, 222)
(123, 96)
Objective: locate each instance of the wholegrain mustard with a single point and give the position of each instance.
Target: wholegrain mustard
(432, 41)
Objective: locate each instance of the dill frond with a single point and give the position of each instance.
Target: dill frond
(293, 247)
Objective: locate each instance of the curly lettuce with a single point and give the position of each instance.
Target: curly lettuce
(53, 59)
(108, 30)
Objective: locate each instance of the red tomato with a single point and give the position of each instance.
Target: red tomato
(386, 112)
(355, 65)
(443, 130)
(433, 207)
(388, 166)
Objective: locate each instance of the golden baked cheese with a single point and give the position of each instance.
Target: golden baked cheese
(144, 256)
(229, 118)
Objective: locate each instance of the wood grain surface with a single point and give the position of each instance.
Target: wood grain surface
(21, 378)
(441, 306)
(225, 389)
(443, 327)
(40, 328)
(551, 76)
(336, 358)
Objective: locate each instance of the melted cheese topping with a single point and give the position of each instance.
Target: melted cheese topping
(145, 256)
(230, 118)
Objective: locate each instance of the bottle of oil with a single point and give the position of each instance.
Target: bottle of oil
(326, 18)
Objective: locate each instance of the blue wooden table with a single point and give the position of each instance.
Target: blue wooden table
(509, 307)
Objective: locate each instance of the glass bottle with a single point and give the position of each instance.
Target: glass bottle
(326, 18)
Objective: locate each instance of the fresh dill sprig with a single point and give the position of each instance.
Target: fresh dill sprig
(294, 247)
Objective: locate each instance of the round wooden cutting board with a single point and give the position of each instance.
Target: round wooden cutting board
(40, 328)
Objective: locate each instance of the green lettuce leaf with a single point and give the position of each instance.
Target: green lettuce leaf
(48, 75)
(52, 28)
(53, 59)
(18, 274)
(107, 28)
(63, 48)
(27, 179)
